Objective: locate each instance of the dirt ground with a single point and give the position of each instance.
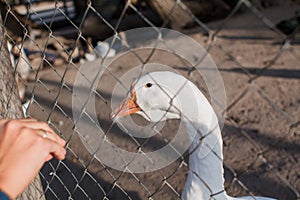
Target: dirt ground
(261, 150)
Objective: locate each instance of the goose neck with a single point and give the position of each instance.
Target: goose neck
(205, 176)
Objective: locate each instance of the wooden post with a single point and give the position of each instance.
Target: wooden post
(10, 106)
(168, 9)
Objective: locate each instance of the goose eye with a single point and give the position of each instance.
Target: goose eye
(148, 85)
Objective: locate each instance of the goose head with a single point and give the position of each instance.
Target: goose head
(155, 96)
(164, 95)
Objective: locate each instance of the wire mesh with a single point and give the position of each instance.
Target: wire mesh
(254, 44)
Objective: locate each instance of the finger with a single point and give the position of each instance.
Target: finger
(54, 149)
(47, 135)
(34, 124)
(55, 137)
(13, 125)
(47, 146)
(58, 152)
(51, 136)
(62, 142)
(49, 157)
(28, 120)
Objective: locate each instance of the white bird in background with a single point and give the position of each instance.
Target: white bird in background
(21, 64)
(166, 95)
(19, 60)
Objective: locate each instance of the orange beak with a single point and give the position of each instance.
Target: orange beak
(127, 107)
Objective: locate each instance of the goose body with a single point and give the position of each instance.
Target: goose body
(166, 95)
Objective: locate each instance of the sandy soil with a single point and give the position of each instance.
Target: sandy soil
(261, 150)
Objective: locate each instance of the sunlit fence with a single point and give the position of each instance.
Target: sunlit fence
(74, 61)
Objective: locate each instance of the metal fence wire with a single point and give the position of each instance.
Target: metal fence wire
(255, 45)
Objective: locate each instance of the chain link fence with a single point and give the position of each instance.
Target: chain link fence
(255, 45)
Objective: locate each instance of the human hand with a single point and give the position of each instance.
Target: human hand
(25, 145)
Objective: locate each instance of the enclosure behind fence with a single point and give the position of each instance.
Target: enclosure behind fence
(69, 54)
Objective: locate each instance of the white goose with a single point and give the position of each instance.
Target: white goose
(166, 95)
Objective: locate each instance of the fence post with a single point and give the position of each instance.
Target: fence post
(10, 106)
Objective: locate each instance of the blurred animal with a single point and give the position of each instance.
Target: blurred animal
(21, 65)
